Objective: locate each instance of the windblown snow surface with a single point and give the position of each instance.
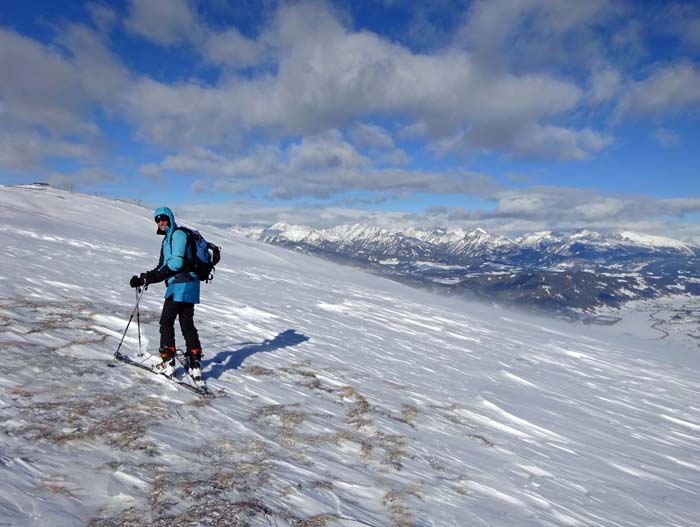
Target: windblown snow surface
(343, 399)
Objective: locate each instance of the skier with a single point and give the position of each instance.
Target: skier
(181, 295)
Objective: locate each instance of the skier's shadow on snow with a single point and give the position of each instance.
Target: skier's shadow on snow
(233, 359)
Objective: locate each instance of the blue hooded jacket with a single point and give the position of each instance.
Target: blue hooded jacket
(183, 286)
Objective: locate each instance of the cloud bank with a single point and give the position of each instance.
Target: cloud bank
(308, 103)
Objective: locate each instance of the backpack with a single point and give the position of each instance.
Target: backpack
(202, 255)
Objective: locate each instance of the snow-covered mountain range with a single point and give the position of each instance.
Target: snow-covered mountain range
(476, 243)
(343, 399)
(565, 272)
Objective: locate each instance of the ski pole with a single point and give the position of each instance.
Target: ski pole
(136, 308)
(138, 322)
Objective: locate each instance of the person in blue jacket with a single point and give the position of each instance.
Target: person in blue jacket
(181, 295)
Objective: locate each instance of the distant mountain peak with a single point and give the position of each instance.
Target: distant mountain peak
(655, 241)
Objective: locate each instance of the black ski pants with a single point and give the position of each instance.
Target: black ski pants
(185, 312)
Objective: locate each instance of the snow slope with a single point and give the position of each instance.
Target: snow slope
(344, 399)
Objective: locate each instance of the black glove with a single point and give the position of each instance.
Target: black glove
(157, 275)
(137, 281)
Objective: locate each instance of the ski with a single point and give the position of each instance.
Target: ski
(200, 390)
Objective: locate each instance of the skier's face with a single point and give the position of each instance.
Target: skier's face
(162, 221)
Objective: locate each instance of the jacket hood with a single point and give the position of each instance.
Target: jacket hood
(169, 213)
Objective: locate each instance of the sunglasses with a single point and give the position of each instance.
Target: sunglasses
(162, 217)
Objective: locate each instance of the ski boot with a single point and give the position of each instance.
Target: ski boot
(167, 367)
(194, 364)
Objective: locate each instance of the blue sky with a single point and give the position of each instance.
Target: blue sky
(512, 116)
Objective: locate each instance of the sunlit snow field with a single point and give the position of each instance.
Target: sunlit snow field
(343, 399)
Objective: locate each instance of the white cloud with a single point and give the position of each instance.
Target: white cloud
(261, 165)
(231, 49)
(322, 76)
(570, 207)
(534, 140)
(165, 22)
(666, 138)
(151, 171)
(683, 20)
(313, 78)
(605, 84)
(20, 152)
(679, 206)
(524, 204)
(628, 43)
(44, 89)
(319, 166)
(179, 116)
(560, 143)
(599, 208)
(323, 154)
(517, 177)
(671, 88)
(329, 77)
(26, 150)
(177, 23)
(49, 98)
(437, 210)
(103, 17)
(367, 135)
(86, 176)
(396, 157)
(253, 212)
(690, 32)
(535, 32)
(99, 72)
